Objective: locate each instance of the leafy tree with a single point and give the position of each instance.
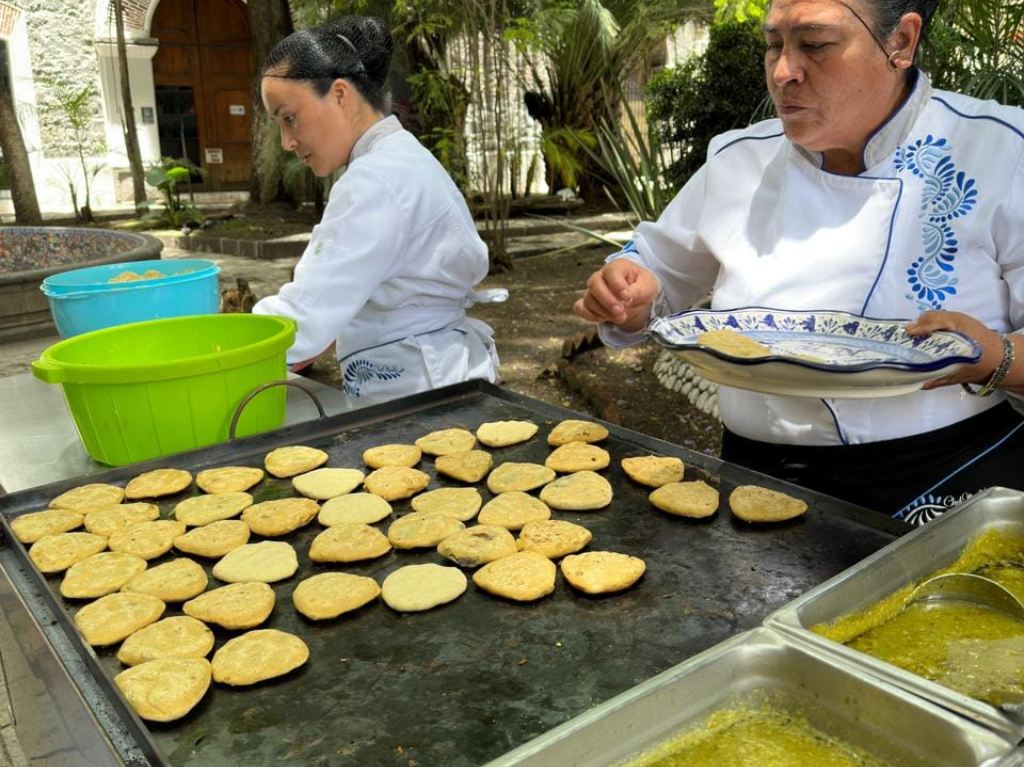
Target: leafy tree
(976, 47)
(438, 94)
(710, 93)
(752, 11)
(77, 107)
(584, 47)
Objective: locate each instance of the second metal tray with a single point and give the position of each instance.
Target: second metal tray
(922, 552)
(847, 704)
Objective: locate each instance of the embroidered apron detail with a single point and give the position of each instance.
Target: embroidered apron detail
(360, 371)
(997, 464)
(947, 194)
(927, 507)
(418, 363)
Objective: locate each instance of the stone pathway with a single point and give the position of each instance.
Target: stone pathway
(11, 754)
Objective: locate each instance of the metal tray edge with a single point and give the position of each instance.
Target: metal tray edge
(109, 706)
(759, 636)
(787, 620)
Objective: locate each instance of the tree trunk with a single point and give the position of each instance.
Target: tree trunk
(267, 182)
(131, 138)
(19, 170)
(270, 22)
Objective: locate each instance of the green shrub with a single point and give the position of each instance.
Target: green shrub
(976, 48)
(169, 176)
(709, 94)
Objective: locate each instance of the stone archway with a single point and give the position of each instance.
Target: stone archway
(202, 77)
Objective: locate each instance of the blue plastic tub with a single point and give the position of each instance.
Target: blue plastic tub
(83, 300)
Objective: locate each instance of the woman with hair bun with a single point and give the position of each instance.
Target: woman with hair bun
(873, 194)
(390, 269)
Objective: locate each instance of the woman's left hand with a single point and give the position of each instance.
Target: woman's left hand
(990, 341)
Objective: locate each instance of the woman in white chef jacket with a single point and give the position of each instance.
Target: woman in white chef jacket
(873, 193)
(390, 268)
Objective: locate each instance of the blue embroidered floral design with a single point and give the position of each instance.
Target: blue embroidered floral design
(360, 371)
(947, 194)
(923, 509)
(928, 506)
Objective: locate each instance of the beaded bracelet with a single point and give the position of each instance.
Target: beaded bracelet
(998, 374)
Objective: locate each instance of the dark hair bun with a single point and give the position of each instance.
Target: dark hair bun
(357, 48)
(371, 41)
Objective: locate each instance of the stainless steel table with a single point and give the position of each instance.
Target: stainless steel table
(39, 443)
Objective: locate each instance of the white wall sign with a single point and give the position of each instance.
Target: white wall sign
(237, 109)
(214, 156)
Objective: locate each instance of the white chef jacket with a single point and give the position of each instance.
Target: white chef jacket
(936, 221)
(388, 274)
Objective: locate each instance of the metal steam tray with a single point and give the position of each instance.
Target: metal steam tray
(846, 703)
(912, 557)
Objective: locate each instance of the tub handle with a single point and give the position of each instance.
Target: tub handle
(263, 387)
(47, 370)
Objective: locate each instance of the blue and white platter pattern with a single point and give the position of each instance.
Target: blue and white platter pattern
(815, 353)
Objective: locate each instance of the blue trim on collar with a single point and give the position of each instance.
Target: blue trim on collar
(835, 420)
(916, 74)
(958, 113)
(748, 138)
(888, 242)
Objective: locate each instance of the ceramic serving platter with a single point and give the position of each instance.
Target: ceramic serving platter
(815, 353)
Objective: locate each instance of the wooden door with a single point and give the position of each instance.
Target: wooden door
(203, 74)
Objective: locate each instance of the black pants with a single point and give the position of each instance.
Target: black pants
(913, 478)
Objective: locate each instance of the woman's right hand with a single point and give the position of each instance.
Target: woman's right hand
(621, 292)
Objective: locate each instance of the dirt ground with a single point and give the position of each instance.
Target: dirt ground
(537, 332)
(534, 330)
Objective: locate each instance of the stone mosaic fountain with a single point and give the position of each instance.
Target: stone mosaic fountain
(28, 255)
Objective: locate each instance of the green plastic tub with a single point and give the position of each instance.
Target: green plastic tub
(153, 388)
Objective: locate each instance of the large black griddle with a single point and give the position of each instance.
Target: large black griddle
(467, 682)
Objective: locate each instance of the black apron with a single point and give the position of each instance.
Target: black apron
(913, 479)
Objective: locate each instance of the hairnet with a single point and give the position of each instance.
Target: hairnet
(354, 48)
